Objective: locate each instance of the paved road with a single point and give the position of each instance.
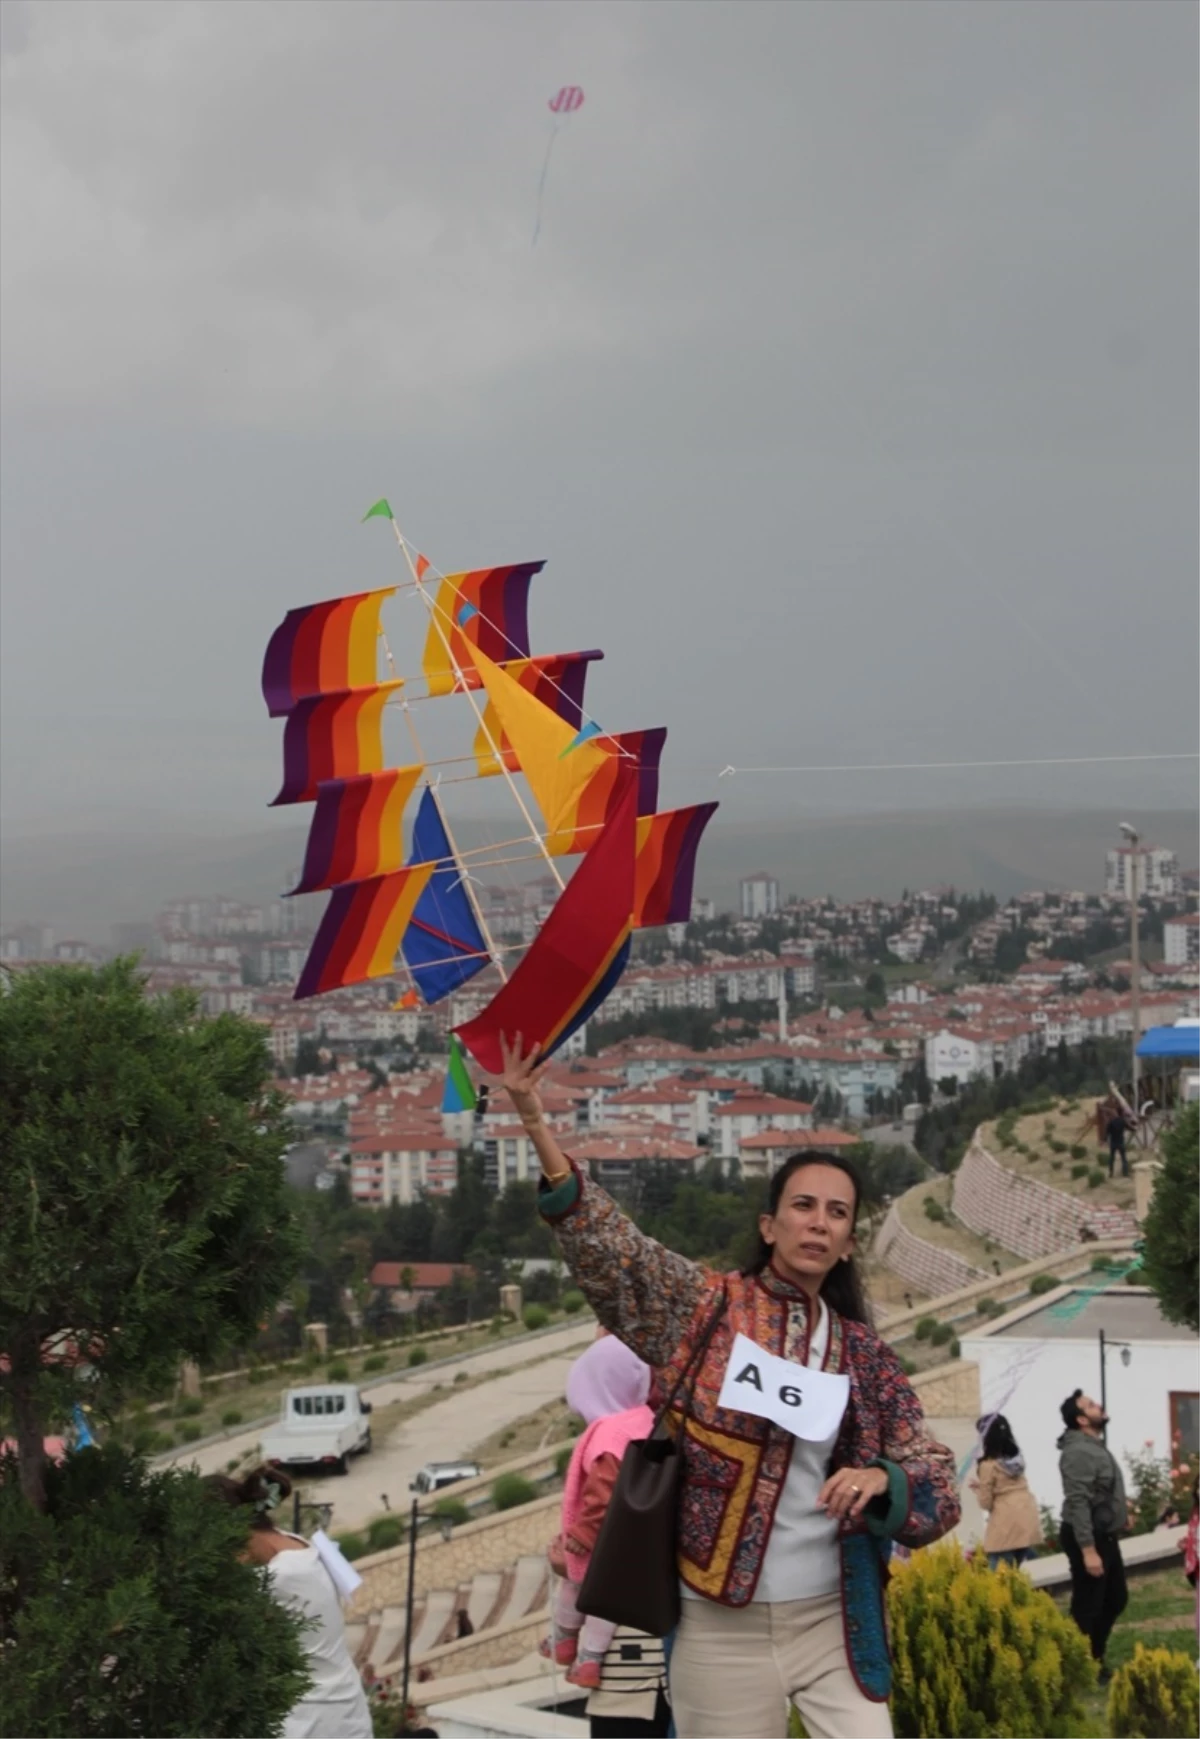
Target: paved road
(442, 1432)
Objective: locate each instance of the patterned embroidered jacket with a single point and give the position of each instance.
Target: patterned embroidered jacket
(659, 1303)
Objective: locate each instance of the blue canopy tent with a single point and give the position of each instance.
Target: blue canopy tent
(1171, 1041)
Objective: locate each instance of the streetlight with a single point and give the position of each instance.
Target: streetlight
(1126, 1359)
(1131, 834)
(323, 1512)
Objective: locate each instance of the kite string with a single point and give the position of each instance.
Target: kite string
(537, 226)
(934, 766)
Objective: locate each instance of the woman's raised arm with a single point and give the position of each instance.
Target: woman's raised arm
(642, 1293)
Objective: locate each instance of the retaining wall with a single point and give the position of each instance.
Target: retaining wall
(1026, 1216)
(926, 1266)
(494, 1543)
(949, 1391)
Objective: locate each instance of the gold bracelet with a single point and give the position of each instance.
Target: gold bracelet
(554, 1178)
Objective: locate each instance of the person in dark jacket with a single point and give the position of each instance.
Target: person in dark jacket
(1094, 1516)
(1115, 1129)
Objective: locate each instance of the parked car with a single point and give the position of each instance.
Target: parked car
(320, 1426)
(437, 1474)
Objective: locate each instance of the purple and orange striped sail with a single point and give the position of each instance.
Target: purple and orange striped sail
(666, 864)
(577, 956)
(640, 751)
(360, 931)
(557, 679)
(357, 828)
(332, 736)
(488, 608)
(323, 648)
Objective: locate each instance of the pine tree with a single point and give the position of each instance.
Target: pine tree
(1171, 1235)
(142, 1215)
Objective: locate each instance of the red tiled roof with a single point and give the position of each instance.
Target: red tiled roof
(426, 1276)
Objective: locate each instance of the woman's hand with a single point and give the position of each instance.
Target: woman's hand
(847, 1492)
(521, 1075)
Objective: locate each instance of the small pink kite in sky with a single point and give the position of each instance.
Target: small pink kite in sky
(563, 103)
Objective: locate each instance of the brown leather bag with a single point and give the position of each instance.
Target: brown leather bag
(633, 1577)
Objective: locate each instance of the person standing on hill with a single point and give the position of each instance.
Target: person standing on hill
(1094, 1515)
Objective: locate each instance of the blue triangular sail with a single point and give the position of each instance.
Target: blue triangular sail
(443, 945)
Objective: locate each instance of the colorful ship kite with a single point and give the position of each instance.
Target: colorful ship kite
(413, 911)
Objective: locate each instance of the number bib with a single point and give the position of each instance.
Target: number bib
(807, 1403)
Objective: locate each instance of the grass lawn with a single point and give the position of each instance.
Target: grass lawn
(950, 1234)
(1161, 1614)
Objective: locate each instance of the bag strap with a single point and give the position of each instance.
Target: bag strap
(692, 1368)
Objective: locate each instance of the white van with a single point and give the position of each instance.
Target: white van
(437, 1474)
(320, 1427)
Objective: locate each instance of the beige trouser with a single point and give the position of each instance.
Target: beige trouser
(734, 1668)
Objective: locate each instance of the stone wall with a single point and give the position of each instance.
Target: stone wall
(924, 1265)
(949, 1391)
(1028, 1217)
(491, 1648)
(494, 1543)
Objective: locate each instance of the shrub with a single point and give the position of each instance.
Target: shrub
(496, 1326)
(976, 1651)
(375, 1362)
(955, 1348)
(163, 1441)
(1078, 1150)
(189, 1432)
(1057, 1146)
(417, 1356)
(452, 1509)
(925, 1327)
(535, 1316)
(507, 1438)
(338, 1372)
(1136, 1277)
(1050, 1540)
(1095, 1178)
(934, 1209)
(1101, 1262)
(99, 1574)
(230, 1417)
(1080, 1170)
(256, 1375)
(1043, 1283)
(940, 1335)
(908, 1366)
(384, 1533)
(353, 1546)
(189, 1407)
(562, 1458)
(1056, 1165)
(573, 1302)
(462, 1377)
(1154, 1696)
(510, 1490)
(1023, 1148)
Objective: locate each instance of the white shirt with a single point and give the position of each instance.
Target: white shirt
(801, 1561)
(335, 1705)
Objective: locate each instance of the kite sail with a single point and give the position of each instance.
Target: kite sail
(562, 104)
(413, 914)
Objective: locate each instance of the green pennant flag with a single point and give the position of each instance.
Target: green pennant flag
(381, 510)
(458, 1094)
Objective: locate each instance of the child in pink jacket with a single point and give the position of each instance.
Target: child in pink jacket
(607, 1387)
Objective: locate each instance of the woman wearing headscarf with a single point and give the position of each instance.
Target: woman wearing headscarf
(1014, 1527)
(607, 1388)
(784, 1532)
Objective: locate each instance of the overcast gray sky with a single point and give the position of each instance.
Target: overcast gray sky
(849, 392)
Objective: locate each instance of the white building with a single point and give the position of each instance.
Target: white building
(1181, 940)
(759, 896)
(1157, 871)
(961, 1055)
(1033, 1358)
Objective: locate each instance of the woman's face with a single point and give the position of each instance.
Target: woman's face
(813, 1227)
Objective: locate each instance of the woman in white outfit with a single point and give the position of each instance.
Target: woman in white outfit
(335, 1705)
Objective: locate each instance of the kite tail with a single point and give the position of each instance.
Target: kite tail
(542, 183)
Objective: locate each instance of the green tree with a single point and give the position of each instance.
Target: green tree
(142, 1215)
(125, 1609)
(1170, 1259)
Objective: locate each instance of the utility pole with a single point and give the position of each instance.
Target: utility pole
(1135, 968)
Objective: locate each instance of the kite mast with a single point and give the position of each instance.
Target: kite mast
(480, 718)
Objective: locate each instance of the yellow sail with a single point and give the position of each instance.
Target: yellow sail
(557, 766)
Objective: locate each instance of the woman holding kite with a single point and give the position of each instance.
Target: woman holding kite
(806, 1450)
